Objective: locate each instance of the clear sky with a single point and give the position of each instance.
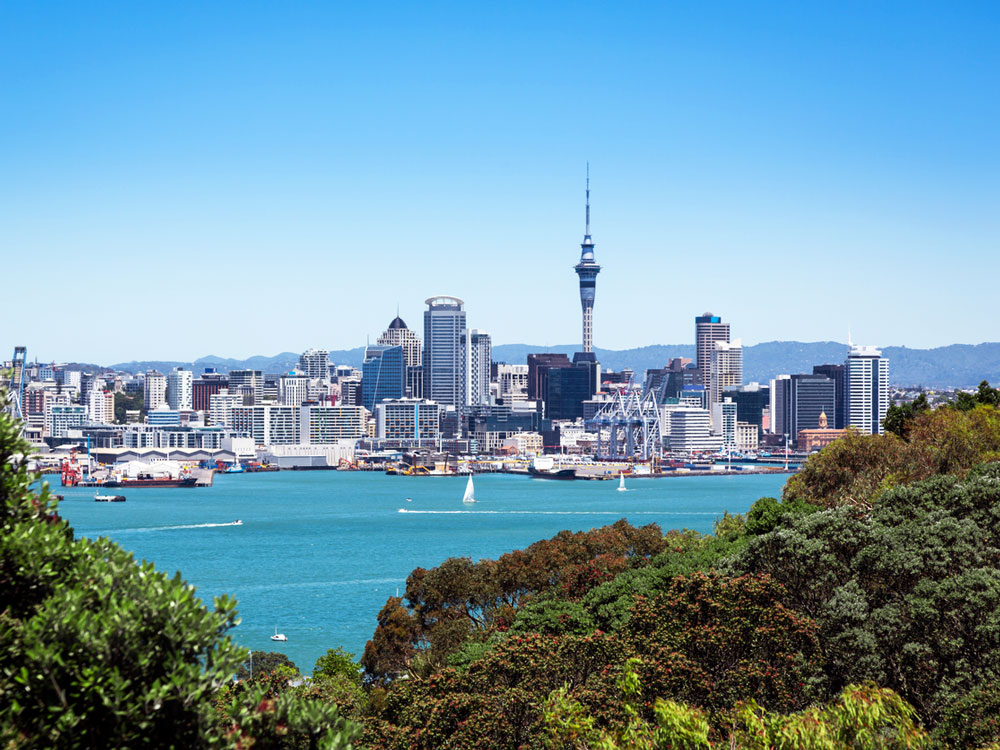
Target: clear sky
(184, 179)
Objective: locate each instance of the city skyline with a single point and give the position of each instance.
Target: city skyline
(252, 173)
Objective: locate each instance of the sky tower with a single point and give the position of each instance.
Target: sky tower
(587, 269)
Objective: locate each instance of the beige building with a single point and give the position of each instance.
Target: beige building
(810, 440)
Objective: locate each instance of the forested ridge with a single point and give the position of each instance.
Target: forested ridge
(861, 609)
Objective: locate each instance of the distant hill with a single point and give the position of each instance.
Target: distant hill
(959, 365)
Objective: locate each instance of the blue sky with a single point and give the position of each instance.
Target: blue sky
(179, 180)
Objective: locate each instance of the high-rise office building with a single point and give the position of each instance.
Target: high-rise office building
(479, 356)
(587, 270)
(866, 389)
(383, 375)
(798, 402)
(249, 384)
(179, 389)
(708, 329)
(445, 364)
(315, 363)
(203, 388)
(397, 334)
(539, 366)
(751, 400)
(725, 368)
(836, 374)
(155, 393)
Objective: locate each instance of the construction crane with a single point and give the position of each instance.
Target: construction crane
(15, 384)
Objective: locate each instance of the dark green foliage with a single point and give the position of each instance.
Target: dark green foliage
(268, 713)
(264, 662)
(553, 616)
(460, 600)
(907, 595)
(971, 721)
(337, 663)
(127, 402)
(98, 651)
(898, 417)
(765, 514)
(983, 395)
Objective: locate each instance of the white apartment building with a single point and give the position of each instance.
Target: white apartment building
(726, 368)
(155, 390)
(747, 438)
(221, 405)
(687, 428)
(59, 419)
(180, 389)
(293, 389)
(866, 389)
(315, 364)
(724, 422)
(267, 425)
(102, 406)
(326, 425)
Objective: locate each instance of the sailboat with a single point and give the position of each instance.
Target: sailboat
(621, 482)
(470, 496)
(278, 636)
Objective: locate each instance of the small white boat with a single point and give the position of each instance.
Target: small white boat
(621, 483)
(98, 498)
(237, 522)
(470, 492)
(278, 636)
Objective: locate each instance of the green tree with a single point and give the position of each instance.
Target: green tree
(128, 402)
(898, 417)
(337, 663)
(264, 662)
(97, 650)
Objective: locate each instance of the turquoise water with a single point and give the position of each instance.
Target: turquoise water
(319, 552)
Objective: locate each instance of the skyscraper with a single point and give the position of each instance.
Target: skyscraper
(725, 368)
(384, 375)
(445, 362)
(866, 389)
(397, 334)
(708, 329)
(479, 357)
(155, 390)
(587, 269)
(836, 374)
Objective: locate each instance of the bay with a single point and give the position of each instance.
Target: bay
(318, 553)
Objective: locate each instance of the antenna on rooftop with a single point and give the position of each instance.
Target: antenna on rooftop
(587, 232)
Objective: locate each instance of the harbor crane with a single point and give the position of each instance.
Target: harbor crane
(15, 384)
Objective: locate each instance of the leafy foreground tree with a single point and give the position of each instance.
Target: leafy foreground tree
(98, 651)
(864, 717)
(261, 662)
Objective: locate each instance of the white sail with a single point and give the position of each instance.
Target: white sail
(621, 482)
(469, 496)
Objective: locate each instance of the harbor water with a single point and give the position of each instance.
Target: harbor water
(318, 553)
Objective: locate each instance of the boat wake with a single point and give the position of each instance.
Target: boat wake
(182, 526)
(618, 513)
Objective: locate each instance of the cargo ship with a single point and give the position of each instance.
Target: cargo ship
(148, 480)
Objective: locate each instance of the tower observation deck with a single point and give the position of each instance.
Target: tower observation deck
(587, 270)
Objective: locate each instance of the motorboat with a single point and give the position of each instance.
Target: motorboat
(109, 498)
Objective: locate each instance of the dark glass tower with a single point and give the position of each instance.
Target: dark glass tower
(587, 269)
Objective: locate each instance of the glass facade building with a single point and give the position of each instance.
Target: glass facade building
(383, 375)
